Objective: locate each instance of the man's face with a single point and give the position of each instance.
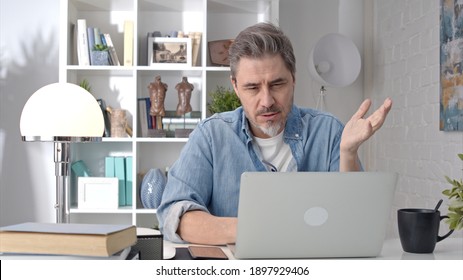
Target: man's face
(265, 88)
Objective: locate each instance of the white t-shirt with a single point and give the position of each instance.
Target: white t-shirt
(275, 153)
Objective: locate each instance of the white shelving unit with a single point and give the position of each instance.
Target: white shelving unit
(121, 86)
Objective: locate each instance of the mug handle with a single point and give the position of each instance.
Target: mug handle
(440, 238)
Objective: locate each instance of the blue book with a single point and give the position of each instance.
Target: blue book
(109, 167)
(91, 42)
(148, 116)
(96, 35)
(119, 172)
(128, 181)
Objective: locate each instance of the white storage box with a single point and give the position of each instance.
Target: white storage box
(98, 193)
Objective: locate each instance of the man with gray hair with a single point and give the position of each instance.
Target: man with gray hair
(267, 133)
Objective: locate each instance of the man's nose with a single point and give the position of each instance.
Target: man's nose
(266, 99)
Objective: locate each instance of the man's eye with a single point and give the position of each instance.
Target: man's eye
(277, 86)
(253, 88)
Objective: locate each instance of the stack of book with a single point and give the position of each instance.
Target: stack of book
(91, 39)
(67, 241)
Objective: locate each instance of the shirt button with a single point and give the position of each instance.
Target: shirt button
(297, 135)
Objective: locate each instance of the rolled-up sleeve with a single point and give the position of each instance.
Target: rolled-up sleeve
(188, 188)
(171, 219)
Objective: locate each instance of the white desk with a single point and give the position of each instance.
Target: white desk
(448, 249)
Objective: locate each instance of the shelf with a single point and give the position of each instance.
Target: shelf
(160, 140)
(122, 210)
(123, 86)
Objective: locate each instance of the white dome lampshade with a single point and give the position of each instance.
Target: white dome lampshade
(62, 112)
(335, 61)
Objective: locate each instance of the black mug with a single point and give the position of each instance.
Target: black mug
(419, 229)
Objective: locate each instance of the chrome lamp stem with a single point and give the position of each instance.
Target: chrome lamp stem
(62, 170)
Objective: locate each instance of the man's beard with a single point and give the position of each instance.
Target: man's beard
(271, 128)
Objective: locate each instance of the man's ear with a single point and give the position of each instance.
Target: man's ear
(233, 82)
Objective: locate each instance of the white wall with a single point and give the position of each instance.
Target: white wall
(29, 60)
(305, 22)
(405, 63)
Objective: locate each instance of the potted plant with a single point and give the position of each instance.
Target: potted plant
(455, 195)
(85, 85)
(222, 100)
(100, 55)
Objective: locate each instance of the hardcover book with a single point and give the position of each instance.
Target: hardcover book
(119, 172)
(82, 43)
(128, 43)
(67, 239)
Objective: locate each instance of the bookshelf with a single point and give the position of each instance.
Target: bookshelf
(122, 86)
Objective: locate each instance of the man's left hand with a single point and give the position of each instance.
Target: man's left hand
(359, 129)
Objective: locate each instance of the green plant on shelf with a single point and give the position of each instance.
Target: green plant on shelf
(222, 100)
(100, 47)
(85, 85)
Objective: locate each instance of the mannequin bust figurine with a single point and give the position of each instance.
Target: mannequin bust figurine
(157, 91)
(184, 89)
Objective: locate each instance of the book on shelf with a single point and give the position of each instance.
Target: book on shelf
(121, 167)
(91, 42)
(112, 49)
(128, 180)
(107, 122)
(196, 43)
(180, 120)
(119, 172)
(67, 239)
(109, 166)
(73, 43)
(143, 116)
(83, 53)
(128, 43)
(97, 36)
(175, 126)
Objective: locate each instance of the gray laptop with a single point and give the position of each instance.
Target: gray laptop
(313, 214)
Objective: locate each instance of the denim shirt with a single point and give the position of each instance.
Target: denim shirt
(207, 174)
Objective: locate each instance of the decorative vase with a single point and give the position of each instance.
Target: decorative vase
(118, 122)
(152, 188)
(100, 57)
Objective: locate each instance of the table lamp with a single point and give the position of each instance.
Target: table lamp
(62, 113)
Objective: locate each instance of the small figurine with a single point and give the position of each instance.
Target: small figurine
(184, 89)
(157, 96)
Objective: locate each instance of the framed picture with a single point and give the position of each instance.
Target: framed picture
(174, 51)
(451, 66)
(98, 193)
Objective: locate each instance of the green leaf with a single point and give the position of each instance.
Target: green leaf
(100, 47)
(455, 195)
(85, 85)
(223, 100)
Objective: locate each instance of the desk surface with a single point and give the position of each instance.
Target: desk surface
(448, 249)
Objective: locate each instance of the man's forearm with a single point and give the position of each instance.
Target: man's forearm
(203, 228)
(349, 162)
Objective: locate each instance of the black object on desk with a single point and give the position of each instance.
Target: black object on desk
(151, 247)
